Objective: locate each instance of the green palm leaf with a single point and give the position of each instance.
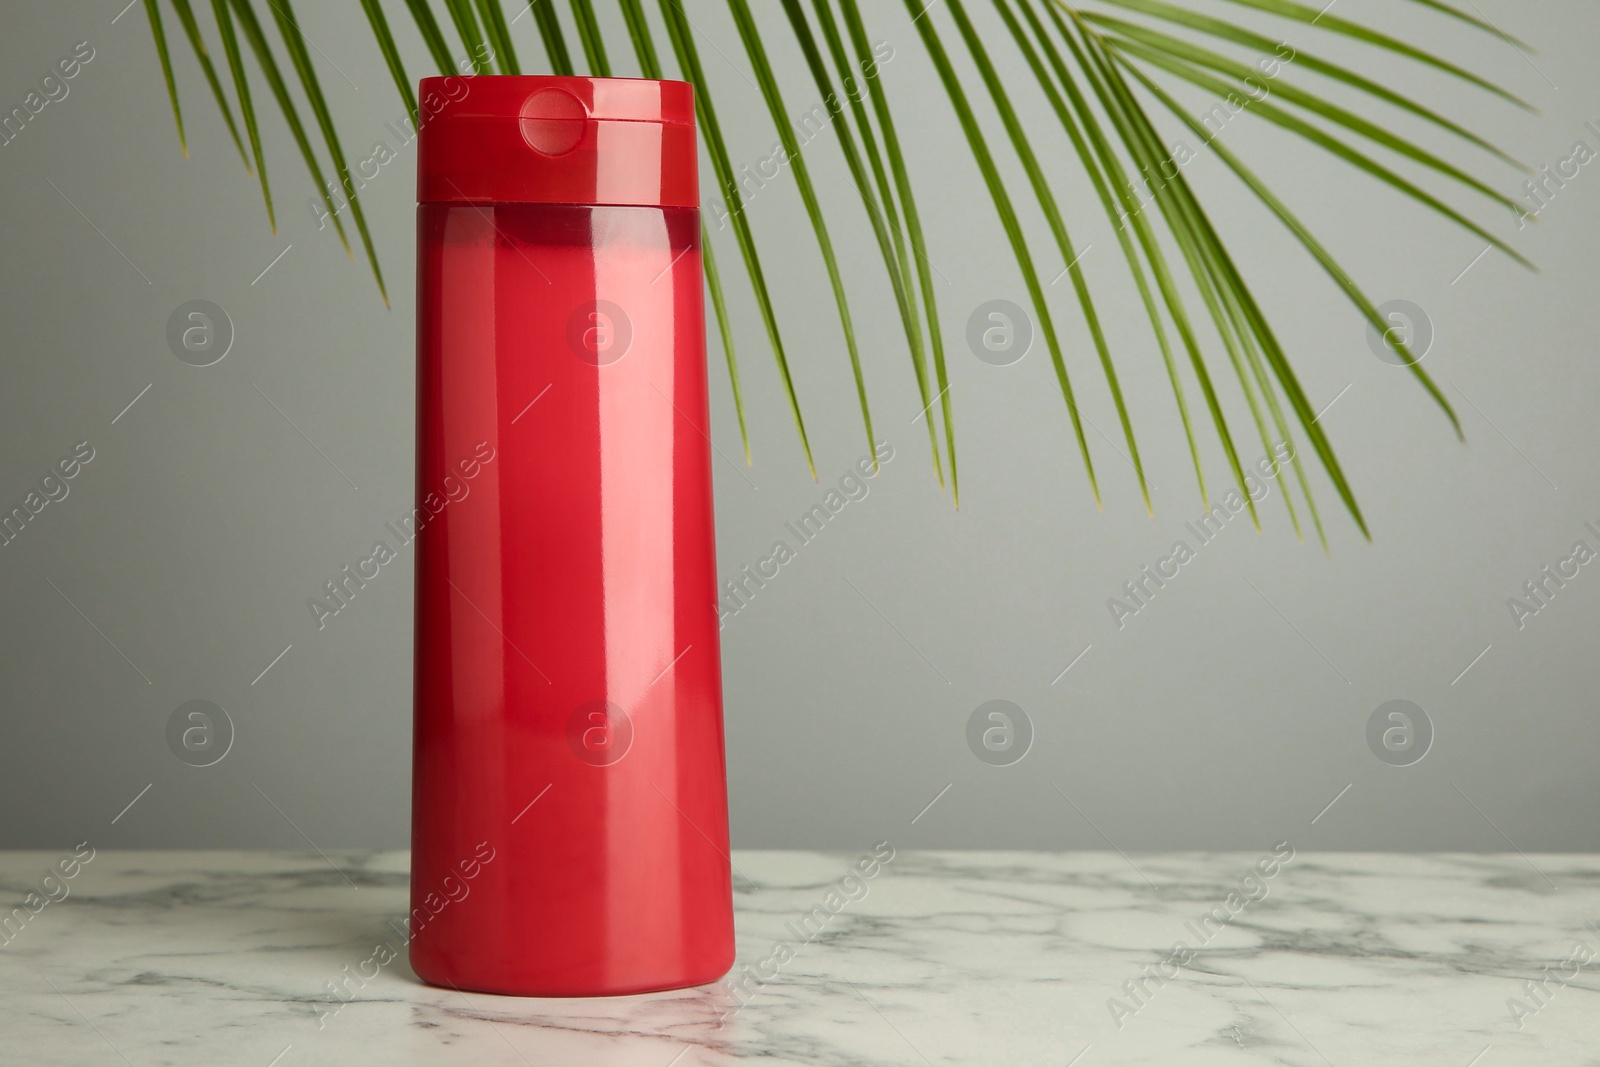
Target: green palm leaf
(391, 55)
(1094, 64)
(295, 44)
(1058, 227)
(719, 307)
(1098, 161)
(1125, 120)
(1265, 45)
(683, 46)
(875, 196)
(644, 45)
(1472, 20)
(432, 36)
(241, 86)
(808, 196)
(191, 29)
(866, 59)
(1228, 278)
(1013, 228)
(466, 24)
(1312, 245)
(153, 12)
(1278, 116)
(555, 43)
(1183, 51)
(594, 45)
(253, 34)
(498, 34)
(644, 48)
(1334, 24)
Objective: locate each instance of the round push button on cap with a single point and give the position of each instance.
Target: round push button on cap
(553, 121)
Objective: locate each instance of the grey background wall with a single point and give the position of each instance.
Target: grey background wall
(1230, 712)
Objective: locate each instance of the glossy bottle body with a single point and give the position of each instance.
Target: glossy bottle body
(569, 797)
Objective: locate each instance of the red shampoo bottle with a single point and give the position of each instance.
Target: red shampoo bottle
(569, 810)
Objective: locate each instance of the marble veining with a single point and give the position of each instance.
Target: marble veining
(1081, 959)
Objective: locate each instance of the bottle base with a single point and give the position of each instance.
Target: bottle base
(429, 973)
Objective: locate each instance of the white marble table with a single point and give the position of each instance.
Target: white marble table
(948, 958)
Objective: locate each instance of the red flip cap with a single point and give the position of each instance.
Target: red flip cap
(508, 139)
